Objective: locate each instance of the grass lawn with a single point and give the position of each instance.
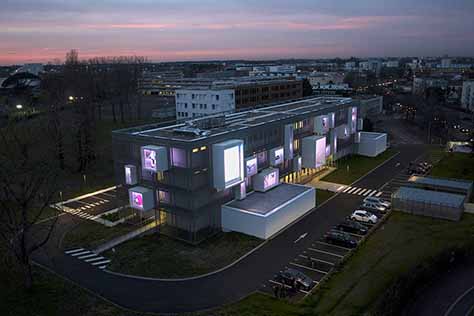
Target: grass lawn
(51, 295)
(394, 249)
(358, 166)
(455, 165)
(90, 234)
(160, 256)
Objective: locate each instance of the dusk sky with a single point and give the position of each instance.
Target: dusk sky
(168, 30)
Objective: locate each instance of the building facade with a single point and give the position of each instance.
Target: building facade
(190, 170)
(467, 97)
(223, 97)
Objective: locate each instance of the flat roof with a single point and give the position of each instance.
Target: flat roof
(235, 121)
(428, 196)
(264, 203)
(442, 182)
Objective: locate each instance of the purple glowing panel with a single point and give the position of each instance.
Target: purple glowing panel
(149, 159)
(137, 200)
(270, 180)
(328, 150)
(251, 167)
(178, 157)
(279, 156)
(320, 152)
(354, 120)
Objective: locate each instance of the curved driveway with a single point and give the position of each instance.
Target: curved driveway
(231, 284)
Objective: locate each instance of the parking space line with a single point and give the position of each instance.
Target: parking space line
(311, 269)
(107, 194)
(280, 284)
(328, 253)
(331, 245)
(304, 292)
(355, 235)
(314, 259)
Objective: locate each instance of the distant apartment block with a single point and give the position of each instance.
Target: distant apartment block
(229, 96)
(467, 97)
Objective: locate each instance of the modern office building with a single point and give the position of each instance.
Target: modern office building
(227, 96)
(187, 172)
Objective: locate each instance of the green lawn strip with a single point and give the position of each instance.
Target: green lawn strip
(89, 234)
(402, 243)
(51, 296)
(162, 257)
(322, 195)
(257, 304)
(455, 165)
(358, 166)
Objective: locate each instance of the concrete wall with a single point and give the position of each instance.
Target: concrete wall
(266, 226)
(371, 146)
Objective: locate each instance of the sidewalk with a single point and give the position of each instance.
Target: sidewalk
(327, 186)
(121, 239)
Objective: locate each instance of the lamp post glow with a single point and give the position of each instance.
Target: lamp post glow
(19, 106)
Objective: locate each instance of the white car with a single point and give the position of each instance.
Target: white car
(364, 217)
(374, 207)
(373, 199)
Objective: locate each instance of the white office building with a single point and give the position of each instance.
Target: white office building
(192, 103)
(467, 97)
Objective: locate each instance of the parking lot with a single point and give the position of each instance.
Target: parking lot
(319, 259)
(92, 205)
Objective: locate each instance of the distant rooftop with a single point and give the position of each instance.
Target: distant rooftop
(214, 125)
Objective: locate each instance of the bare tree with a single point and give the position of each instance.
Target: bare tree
(28, 184)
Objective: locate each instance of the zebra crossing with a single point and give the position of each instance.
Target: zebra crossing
(361, 191)
(89, 257)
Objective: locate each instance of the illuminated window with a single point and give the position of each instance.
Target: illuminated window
(159, 176)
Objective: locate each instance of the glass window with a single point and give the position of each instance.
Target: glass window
(164, 196)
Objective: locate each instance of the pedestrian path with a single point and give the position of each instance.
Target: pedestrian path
(88, 257)
(360, 191)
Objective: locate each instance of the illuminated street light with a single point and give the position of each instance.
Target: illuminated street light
(19, 106)
(71, 98)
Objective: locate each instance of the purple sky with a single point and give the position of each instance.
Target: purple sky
(167, 30)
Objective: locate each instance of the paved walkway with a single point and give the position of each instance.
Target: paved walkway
(121, 239)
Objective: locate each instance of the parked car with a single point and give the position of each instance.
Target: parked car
(374, 207)
(341, 239)
(374, 199)
(295, 279)
(352, 227)
(364, 217)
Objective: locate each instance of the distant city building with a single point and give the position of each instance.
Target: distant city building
(420, 84)
(227, 96)
(350, 66)
(467, 98)
(369, 105)
(318, 79)
(374, 66)
(446, 63)
(391, 64)
(340, 89)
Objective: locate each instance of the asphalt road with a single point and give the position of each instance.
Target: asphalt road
(451, 294)
(231, 284)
